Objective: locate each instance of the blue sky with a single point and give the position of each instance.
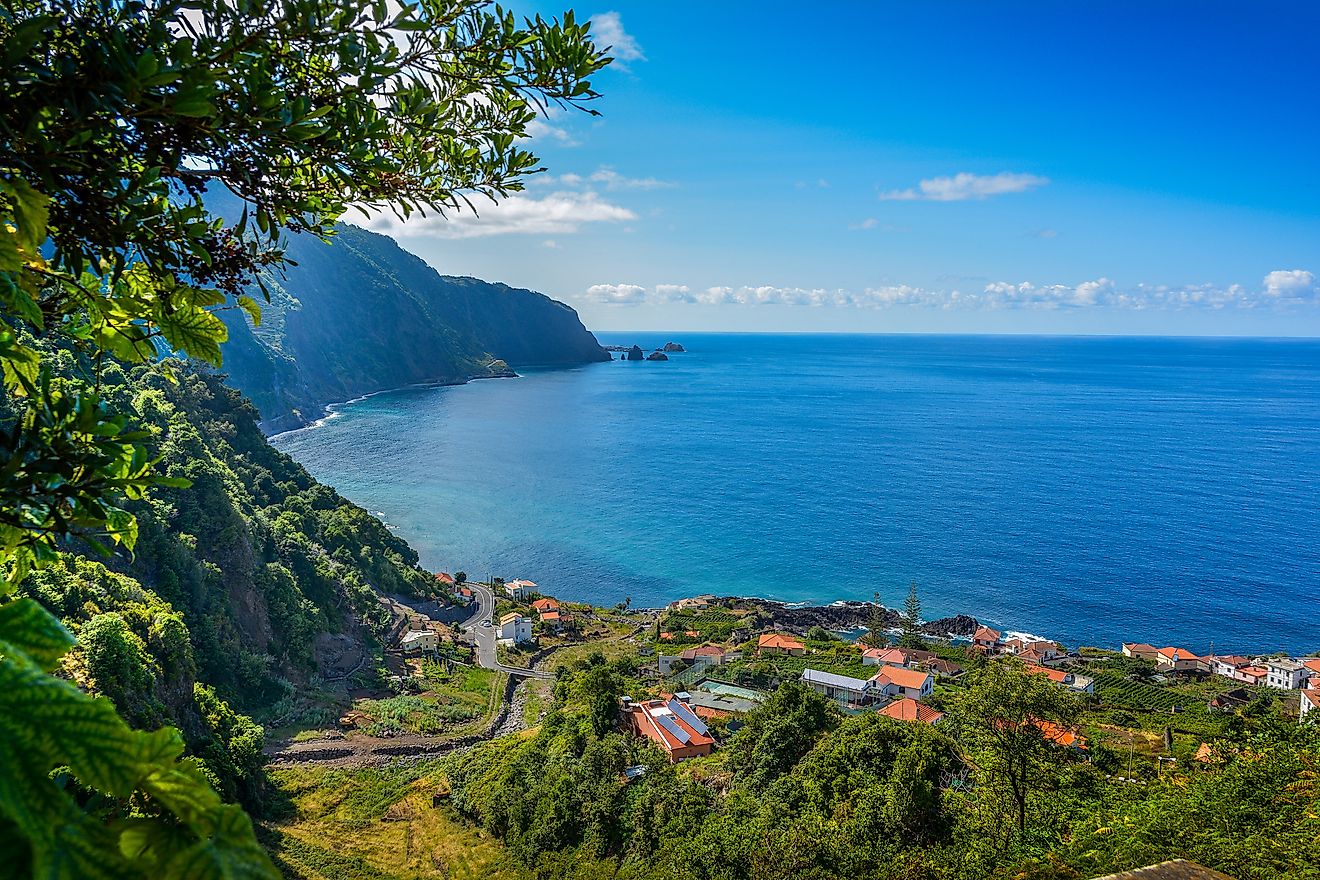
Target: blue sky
(1044, 167)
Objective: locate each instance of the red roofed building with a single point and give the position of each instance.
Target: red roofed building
(1179, 660)
(986, 638)
(715, 652)
(778, 643)
(1226, 665)
(445, 578)
(1139, 651)
(906, 709)
(885, 657)
(1079, 683)
(899, 681)
(1310, 702)
(1251, 674)
(545, 604)
(672, 725)
(1060, 736)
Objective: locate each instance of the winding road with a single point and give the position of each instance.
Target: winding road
(481, 625)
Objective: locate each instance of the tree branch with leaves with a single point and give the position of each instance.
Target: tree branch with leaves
(119, 125)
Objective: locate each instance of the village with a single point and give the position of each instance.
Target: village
(703, 663)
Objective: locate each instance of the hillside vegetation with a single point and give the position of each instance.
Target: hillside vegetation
(236, 583)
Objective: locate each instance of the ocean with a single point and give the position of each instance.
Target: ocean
(1092, 490)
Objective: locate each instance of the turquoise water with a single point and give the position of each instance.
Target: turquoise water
(1091, 490)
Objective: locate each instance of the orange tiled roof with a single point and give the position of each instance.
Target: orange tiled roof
(546, 604)
(914, 679)
(549, 615)
(1183, 654)
(908, 709)
(1055, 675)
(444, 577)
(780, 641)
(1312, 663)
(986, 634)
(1060, 736)
(645, 715)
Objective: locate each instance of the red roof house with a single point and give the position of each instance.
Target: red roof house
(672, 725)
(910, 710)
(778, 643)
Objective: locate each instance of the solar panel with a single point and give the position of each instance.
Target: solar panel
(672, 726)
(687, 717)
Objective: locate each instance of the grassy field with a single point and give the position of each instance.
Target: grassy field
(377, 824)
(456, 701)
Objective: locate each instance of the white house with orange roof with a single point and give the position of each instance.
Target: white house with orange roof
(1310, 703)
(1227, 664)
(884, 657)
(1253, 675)
(1140, 651)
(778, 643)
(986, 638)
(1179, 660)
(899, 681)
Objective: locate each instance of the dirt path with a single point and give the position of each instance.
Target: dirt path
(359, 750)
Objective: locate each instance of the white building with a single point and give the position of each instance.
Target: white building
(419, 640)
(515, 629)
(1285, 674)
(519, 590)
(895, 681)
(843, 689)
(1310, 703)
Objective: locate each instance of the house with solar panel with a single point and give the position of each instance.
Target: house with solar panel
(671, 724)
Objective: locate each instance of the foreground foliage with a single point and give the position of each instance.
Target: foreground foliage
(804, 791)
(115, 118)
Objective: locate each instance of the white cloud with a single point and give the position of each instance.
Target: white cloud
(554, 214)
(1290, 284)
(1281, 288)
(540, 128)
(607, 31)
(963, 186)
(617, 294)
(606, 177)
(673, 293)
(613, 180)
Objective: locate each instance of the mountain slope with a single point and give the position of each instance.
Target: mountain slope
(361, 315)
(247, 588)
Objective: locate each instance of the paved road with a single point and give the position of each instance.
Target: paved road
(485, 636)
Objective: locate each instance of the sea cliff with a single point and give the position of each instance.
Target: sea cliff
(362, 315)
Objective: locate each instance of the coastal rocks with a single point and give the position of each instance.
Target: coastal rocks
(673, 346)
(657, 356)
(958, 625)
(635, 354)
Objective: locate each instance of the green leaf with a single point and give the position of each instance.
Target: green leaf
(194, 331)
(249, 305)
(31, 212)
(27, 628)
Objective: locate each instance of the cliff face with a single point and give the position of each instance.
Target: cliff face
(363, 315)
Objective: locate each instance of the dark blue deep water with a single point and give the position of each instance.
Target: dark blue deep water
(1088, 489)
